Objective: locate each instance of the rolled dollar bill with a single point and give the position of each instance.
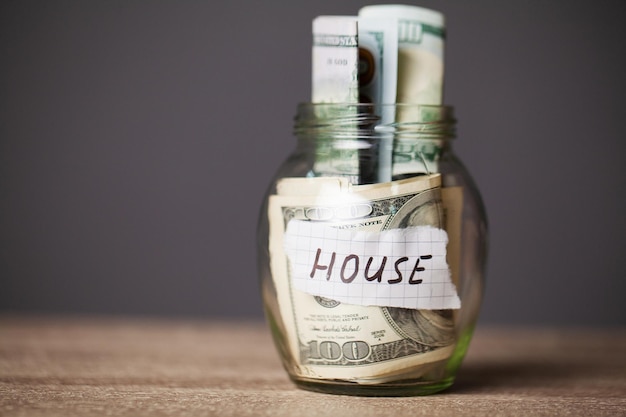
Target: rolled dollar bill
(421, 34)
(335, 60)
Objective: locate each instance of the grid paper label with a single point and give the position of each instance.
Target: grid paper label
(404, 268)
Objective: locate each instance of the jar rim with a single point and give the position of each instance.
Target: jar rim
(367, 120)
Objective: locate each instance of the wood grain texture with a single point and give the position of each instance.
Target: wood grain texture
(131, 367)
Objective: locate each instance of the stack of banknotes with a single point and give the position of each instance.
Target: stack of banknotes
(386, 54)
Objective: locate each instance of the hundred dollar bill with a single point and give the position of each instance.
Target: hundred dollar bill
(361, 343)
(335, 60)
(335, 80)
(420, 51)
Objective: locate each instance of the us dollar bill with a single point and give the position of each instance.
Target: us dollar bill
(361, 343)
(335, 60)
(335, 80)
(421, 34)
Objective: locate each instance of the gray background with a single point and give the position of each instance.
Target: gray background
(137, 138)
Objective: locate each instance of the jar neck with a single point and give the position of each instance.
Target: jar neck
(374, 143)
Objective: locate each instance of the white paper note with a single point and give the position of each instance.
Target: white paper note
(393, 268)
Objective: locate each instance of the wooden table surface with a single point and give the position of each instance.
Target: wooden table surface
(131, 367)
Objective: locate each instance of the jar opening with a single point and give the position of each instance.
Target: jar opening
(369, 121)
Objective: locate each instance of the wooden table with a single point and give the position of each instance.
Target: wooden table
(131, 367)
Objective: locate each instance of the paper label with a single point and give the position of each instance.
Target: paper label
(391, 268)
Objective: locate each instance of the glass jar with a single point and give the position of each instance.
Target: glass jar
(350, 312)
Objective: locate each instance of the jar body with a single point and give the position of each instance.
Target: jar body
(385, 349)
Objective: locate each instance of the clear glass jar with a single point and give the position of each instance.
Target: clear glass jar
(353, 172)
